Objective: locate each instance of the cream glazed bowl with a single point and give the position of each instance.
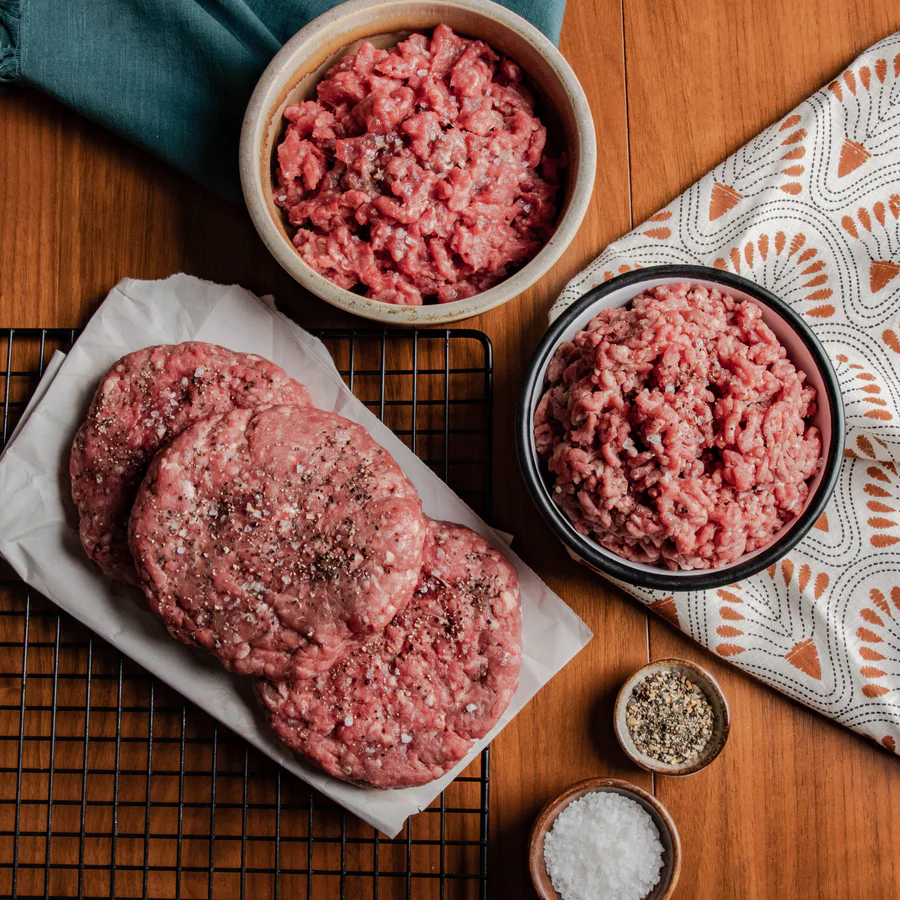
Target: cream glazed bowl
(296, 70)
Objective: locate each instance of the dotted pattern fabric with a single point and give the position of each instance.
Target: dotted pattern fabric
(811, 209)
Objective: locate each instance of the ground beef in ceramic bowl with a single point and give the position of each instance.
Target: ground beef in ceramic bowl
(418, 174)
(676, 431)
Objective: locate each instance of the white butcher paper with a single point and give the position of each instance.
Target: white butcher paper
(39, 530)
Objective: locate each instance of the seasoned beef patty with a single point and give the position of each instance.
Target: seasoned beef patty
(402, 707)
(271, 537)
(143, 401)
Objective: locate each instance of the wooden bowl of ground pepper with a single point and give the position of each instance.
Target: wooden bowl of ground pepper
(671, 717)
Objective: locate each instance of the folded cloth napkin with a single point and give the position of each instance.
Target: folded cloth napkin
(174, 76)
(811, 209)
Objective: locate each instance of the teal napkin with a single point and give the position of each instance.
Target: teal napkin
(174, 76)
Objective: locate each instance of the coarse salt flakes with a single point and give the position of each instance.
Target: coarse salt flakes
(604, 846)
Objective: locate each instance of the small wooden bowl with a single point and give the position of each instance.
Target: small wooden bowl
(721, 717)
(668, 834)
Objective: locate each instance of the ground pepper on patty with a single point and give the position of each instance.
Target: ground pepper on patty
(402, 707)
(143, 401)
(271, 538)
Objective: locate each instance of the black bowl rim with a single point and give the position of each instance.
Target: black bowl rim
(706, 579)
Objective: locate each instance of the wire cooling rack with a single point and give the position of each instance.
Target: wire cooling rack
(113, 786)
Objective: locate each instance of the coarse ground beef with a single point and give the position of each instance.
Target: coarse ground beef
(144, 400)
(677, 430)
(402, 707)
(271, 538)
(418, 172)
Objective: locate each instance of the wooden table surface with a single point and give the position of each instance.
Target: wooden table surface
(797, 807)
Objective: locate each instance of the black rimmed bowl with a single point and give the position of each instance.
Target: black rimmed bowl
(803, 349)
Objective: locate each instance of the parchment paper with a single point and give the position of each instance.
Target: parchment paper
(39, 535)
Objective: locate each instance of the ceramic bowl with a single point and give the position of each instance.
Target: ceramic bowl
(295, 71)
(804, 350)
(710, 687)
(668, 834)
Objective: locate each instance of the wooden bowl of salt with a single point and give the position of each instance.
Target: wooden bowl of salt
(668, 838)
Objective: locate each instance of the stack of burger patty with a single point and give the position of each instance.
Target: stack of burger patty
(285, 541)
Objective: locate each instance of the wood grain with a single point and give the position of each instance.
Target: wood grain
(796, 807)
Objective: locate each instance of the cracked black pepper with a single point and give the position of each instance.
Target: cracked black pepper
(669, 718)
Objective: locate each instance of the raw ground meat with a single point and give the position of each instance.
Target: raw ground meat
(418, 172)
(677, 430)
(403, 707)
(143, 401)
(270, 538)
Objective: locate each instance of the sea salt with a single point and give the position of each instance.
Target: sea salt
(603, 846)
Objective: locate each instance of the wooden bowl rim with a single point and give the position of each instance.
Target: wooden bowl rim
(704, 678)
(553, 807)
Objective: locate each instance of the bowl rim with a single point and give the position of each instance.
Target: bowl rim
(543, 822)
(704, 676)
(257, 118)
(622, 569)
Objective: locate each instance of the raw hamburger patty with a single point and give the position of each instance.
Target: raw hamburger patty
(676, 429)
(402, 707)
(419, 172)
(271, 537)
(143, 401)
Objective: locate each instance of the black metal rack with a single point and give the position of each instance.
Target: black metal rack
(113, 786)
